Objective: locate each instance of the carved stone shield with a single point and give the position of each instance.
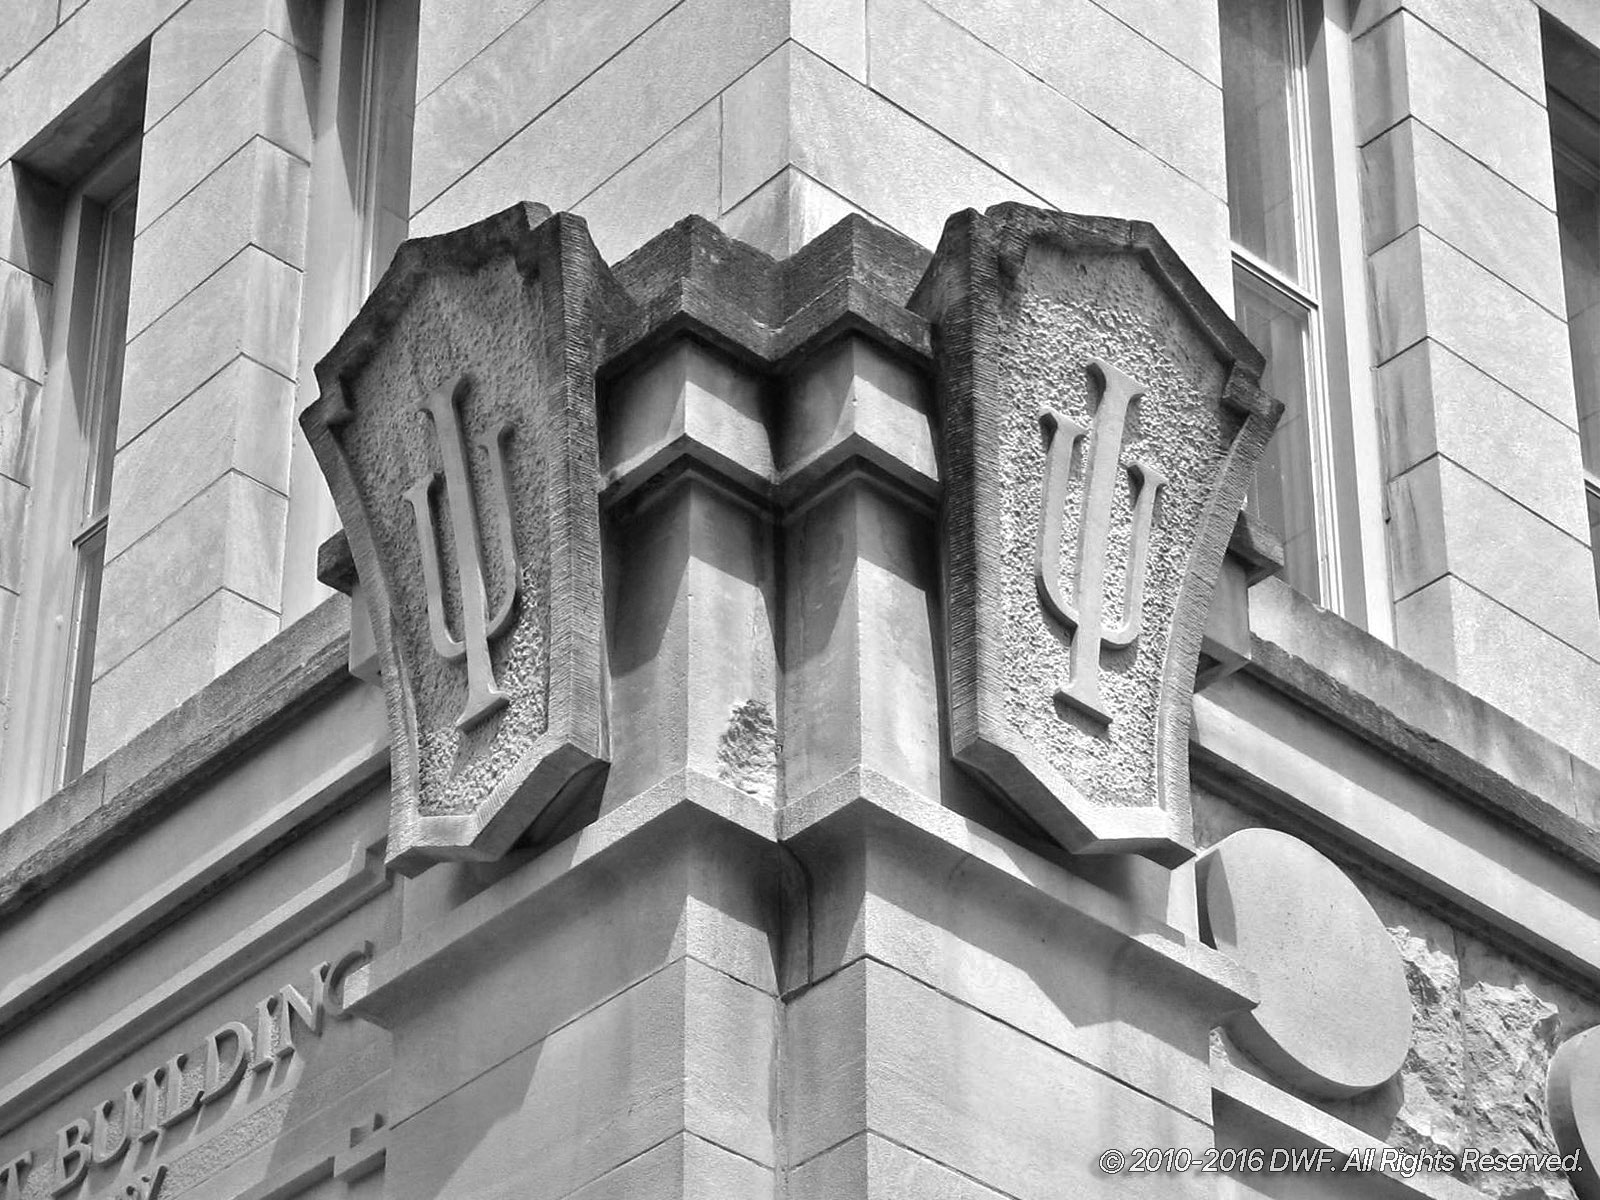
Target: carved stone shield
(1101, 416)
(456, 427)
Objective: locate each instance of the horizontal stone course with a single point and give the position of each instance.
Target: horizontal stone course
(250, 307)
(157, 579)
(1446, 520)
(1415, 177)
(627, 105)
(673, 178)
(1503, 36)
(266, 90)
(257, 197)
(238, 420)
(24, 321)
(1100, 63)
(545, 54)
(1032, 134)
(172, 666)
(1423, 287)
(19, 424)
(1431, 400)
(1453, 628)
(1404, 68)
(204, 35)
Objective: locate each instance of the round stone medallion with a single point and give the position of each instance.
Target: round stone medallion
(1335, 1014)
(1572, 1096)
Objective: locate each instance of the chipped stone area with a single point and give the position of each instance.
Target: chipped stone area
(1484, 1028)
(747, 751)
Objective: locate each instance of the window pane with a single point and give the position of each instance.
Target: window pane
(107, 343)
(1258, 112)
(85, 616)
(1283, 493)
(1578, 210)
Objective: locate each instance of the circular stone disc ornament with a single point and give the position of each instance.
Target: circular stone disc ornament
(1335, 1014)
(1572, 1096)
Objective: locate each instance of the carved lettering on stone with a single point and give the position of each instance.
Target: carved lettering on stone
(1082, 619)
(479, 625)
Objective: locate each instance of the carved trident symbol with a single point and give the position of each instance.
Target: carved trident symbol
(481, 626)
(1083, 617)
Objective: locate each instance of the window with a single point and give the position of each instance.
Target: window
(66, 534)
(360, 202)
(1572, 72)
(1286, 108)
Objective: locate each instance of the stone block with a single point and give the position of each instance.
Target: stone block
(80, 54)
(684, 1166)
(673, 178)
(266, 90)
(1510, 662)
(872, 1167)
(631, 102)
(255, 198)
(24, 322)
(786, 212)
(1099, 63)
(586, 941)
(1404, 68)
(1188, 32)
(881, 159)
(503, 88)
(27, 23)
(597, 1092)
(238, 420)
(204, 34)
(1412, 176)
(451, 35)
(861, 680)
(1431, 400)
(250, 307)
(833, 30)
(693, 660)
(1020, 127)
(1028, 955)
(172, 666)
(1504, 37)
(756, 118)
(229, 537)
(1446, 520)
(8, 629)
(30, 226)
(19, 424)
(982, 1099)
(1422, 287)
(13, 504)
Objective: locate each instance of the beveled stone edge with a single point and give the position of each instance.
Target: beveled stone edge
(1301, 1119)
(178, 755)
(1413, 733)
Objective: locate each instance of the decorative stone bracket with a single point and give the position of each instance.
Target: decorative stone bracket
(620, 516)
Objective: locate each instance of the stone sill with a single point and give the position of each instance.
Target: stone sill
(141, 781)
(1432, 726)
(1309, 655)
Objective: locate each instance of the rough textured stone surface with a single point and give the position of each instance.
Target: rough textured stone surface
(499, 315)
(1026, 303)
(1486, 1025)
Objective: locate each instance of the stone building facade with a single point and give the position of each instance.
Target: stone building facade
(731, 664)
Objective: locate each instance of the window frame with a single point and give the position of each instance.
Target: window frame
(68, 505)
(1346, 472)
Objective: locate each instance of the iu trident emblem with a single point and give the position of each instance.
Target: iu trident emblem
(1082, 618)
(480, 626)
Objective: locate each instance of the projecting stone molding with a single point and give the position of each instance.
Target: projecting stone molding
(625, 519)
